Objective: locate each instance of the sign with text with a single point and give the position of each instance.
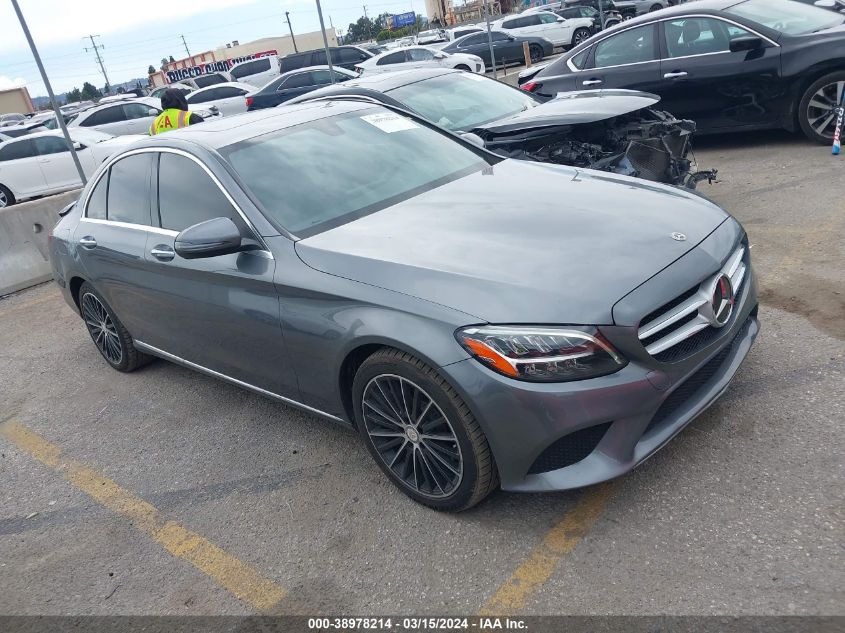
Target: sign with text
(178, 74)
(404, 19)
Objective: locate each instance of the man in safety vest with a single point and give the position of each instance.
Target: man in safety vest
(175, 113)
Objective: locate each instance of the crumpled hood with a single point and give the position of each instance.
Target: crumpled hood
(520, 242)
(572, 108)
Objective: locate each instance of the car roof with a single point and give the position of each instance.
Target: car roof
(224, 84)
(240, 127)
(383, 82)
(699, 6)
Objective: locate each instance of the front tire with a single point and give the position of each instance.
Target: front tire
(817, 108)
(655, 7)
(113, 341)
(420, 432)
(535, 51)
(463, 67)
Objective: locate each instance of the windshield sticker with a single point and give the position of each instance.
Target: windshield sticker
(390, 122)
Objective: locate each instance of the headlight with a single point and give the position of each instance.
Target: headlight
(542, 354)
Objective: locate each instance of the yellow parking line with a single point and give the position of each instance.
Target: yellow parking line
(239, 578)
(531, 575)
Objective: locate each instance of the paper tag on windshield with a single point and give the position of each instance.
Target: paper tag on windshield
(390, 122)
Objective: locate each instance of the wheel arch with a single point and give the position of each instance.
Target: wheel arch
(74, 284)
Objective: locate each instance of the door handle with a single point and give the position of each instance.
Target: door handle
(163, 253)
(592, 82)
(88, 241)
(676, 75)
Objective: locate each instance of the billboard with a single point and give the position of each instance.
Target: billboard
(179, 74)
(404, 19)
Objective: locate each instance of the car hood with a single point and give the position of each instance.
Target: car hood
(572, 108)
(520, 242)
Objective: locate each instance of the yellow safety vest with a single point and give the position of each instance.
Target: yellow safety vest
(171, 119)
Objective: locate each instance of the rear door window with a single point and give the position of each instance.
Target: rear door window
(128, 198)
(299, 80)
(349, 56)
(628, 47)
(97, 200)
(138, 111)
(113, 114)
(17, 150)
(399, 57)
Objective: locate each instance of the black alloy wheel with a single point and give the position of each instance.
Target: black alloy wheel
(818, 109)
(535, 52)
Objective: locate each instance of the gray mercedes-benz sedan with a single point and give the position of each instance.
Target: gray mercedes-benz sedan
(480, 321)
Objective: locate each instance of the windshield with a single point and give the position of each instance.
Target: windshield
(462, 101)
(321, 174)
(787, 16)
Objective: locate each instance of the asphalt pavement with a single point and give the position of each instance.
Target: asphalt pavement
(168, 492)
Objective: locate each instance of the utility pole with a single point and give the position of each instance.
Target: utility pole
(186, 45)
(96, 48)
(365, 11)
(490, 40)
(59, 118)
(326, 41)
(287, 19)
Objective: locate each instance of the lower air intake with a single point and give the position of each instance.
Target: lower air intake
(570, 449)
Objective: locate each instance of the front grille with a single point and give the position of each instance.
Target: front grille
(695, 383)
(570, 449)
(683, 326)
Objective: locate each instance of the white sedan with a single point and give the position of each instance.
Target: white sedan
(129, 116)
(228, 98)
(419, 57)
(41, 164)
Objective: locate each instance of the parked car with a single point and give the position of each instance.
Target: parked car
(433, 354)
(420, 57)
(728, 65)
(430, 37)
(11, 118)
(256, 72)
(41, 164)
(559, 31)
(506, 47)
(342, 56)
(18, 128)
(611, 18)
(204, 81)
(184, 88)
(228, 98)
(122, 117)
(294, 84)
(4, 137)
(459, 32)
(619, 131)
(832, 5)
(642, 6)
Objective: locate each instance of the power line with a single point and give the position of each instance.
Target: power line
(96, 48)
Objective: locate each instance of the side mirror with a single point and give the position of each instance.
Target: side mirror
(440, 55)
(749, 43)
(78, 146)
(561, 19)
(219, 236)
(152, 112)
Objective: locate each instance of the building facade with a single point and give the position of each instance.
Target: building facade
(226, 56)
(15, 100)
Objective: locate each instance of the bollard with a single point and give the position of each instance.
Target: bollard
(527, 54)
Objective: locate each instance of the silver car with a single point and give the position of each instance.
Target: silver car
(480, 321)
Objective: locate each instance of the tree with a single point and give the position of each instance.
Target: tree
(90, 92)
(362, 30)
(74, 96)
(151, 70)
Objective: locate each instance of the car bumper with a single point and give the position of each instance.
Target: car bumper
(615, 422)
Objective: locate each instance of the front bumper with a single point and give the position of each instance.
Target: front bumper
(623, 418)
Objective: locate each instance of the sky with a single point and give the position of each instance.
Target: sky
(136, 34)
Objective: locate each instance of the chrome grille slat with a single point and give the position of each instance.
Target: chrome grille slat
(693, 327)
(677, 324)
(690, 305)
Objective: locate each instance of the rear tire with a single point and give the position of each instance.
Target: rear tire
(655, 7)
(6, 198)
(817, 108)
(580, 35)
(420, 432)
(113, 341)
(535, 51)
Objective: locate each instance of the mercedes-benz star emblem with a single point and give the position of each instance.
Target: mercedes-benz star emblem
(721, 301)
(679, 237)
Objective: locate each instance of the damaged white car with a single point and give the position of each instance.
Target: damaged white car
(619, 131)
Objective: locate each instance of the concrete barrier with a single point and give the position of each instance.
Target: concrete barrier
(24, 254)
